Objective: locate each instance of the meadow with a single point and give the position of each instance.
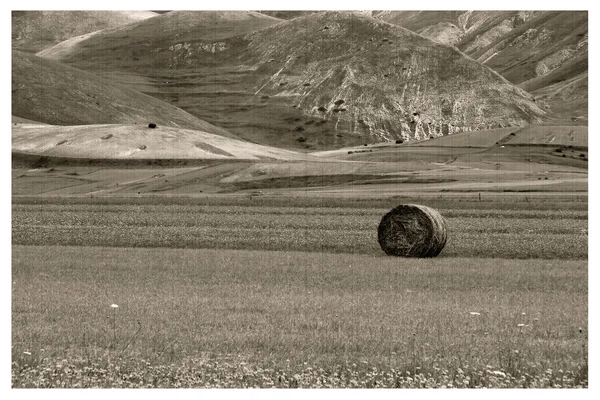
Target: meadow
(236, 292)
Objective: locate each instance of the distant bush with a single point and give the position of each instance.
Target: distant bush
(399, 141)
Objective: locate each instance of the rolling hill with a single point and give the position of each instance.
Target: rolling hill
(53, 93)
(137, 142)
(33, 31)
(322, 80)
(132, 42)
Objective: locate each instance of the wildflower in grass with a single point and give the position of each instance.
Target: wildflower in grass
(114, 322)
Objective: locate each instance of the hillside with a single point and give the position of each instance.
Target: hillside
(439, 26)
(286, 14)
(137, 142)
(534, 49)
(33, 31)
(53, 93)
(131, 43)
(321, 80)
(545, 42)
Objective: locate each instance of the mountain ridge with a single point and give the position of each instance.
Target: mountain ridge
(393, 83)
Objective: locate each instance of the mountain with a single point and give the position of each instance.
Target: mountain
(33, 31)
(322, 80)
(53, 93)
(533, 49)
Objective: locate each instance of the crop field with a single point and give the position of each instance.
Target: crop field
(228, 291)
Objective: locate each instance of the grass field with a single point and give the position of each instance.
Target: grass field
(520, 233)
(232, 292)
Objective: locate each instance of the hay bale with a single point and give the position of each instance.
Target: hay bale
(412, 230)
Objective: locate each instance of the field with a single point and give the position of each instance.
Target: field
(281, 291)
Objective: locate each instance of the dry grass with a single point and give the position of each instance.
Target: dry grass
(340, 311)
(494, 230)
(259, 318)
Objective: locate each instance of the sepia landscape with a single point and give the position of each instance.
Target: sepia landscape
(198, 199)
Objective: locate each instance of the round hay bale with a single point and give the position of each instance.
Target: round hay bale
(412, 230)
